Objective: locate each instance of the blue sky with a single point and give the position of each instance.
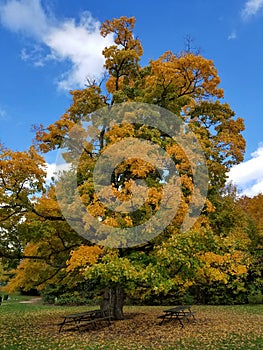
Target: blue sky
(49, 47)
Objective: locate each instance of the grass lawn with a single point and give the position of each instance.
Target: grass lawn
(26, 326)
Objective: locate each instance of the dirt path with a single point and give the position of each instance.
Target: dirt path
(31, 301)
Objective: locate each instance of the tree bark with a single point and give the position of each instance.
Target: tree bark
(113, 300)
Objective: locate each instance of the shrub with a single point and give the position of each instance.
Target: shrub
(255, 298)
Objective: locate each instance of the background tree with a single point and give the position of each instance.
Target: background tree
(22, 176)
(253, 209)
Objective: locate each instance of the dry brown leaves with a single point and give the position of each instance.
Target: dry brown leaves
(141, 326)
(222, 327)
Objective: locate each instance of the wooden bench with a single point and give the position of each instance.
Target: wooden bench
(178, 313)
(104, 315)
(83, 319)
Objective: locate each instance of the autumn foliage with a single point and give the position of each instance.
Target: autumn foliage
(215, 254)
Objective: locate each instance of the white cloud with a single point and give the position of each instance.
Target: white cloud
(3, 114)
(232, 35)
(251, 8)
(77, 43)
(82, 45)
(24, 16)
(53, 170)
(248, 176)
(50, 171)
(35, 55)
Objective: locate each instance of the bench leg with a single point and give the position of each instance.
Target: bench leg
(61, 326)
(180, 321)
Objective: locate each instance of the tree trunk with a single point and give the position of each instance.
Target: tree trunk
(113, 299)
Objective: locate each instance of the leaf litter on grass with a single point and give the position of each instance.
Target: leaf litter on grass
(215, 328)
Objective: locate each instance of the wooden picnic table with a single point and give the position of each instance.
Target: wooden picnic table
(178, 313)
(91, 317)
